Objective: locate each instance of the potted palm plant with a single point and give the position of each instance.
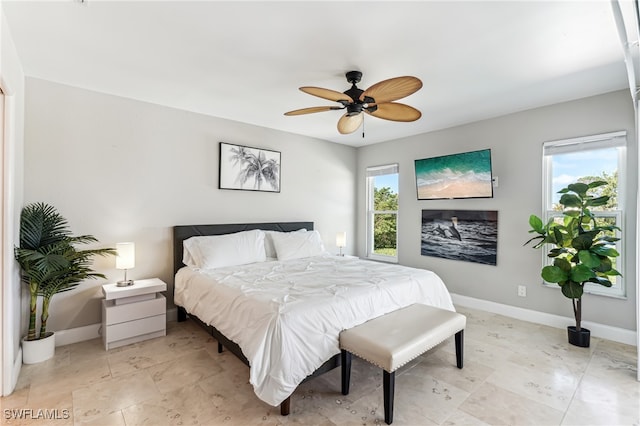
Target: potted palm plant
(583, 249)
(50, 264)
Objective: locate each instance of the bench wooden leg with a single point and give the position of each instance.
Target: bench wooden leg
(346, 371)
(459, 348)
(285, 407)
(388, 386)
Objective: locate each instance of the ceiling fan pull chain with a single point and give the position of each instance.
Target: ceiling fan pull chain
(363, 126)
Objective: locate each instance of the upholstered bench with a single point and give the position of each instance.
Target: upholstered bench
(394, 339)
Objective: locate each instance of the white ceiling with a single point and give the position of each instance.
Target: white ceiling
(244, 61)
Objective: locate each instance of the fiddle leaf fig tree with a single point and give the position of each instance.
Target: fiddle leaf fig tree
(582, 249)
(50, 261)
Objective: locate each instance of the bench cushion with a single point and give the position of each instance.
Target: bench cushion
(393, 339)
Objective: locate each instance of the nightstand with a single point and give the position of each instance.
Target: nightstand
(135, 313)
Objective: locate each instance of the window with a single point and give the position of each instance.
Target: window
(586, 159)
(382, 213)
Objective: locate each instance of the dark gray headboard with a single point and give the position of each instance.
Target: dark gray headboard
(182, 232)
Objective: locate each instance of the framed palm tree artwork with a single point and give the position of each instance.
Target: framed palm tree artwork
(249, 169)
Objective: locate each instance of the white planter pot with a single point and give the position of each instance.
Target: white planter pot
(35, 351)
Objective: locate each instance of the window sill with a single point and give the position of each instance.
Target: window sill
(592, 292)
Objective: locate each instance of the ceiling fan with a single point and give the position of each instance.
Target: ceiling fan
(377, 101)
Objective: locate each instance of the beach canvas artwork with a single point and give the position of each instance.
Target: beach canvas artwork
(466, 235)
(465, 175)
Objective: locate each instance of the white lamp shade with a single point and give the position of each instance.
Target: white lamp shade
(341, 239)
(126, 255)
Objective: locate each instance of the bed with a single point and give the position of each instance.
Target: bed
(282, 315)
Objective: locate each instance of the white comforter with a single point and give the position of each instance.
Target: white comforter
(286, 316)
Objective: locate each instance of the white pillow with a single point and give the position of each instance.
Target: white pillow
(217, 251)
(296, 245)
(188, 250)
(268, 242)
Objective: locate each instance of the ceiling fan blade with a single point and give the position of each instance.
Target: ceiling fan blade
(395, 111)
(312, 110)
(331, 95)
(392, 89)
(350, 123)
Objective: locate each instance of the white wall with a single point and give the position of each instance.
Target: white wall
(12, 81)
(124, 170)
(516, 144)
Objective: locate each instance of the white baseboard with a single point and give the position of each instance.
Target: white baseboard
(172, 314)
(622, 335)
(78, 334)
(616, 334)
(15, 372)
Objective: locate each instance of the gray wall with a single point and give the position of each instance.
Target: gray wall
(516, 144)
(125, 170)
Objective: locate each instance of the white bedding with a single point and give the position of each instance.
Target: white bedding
(286, 315)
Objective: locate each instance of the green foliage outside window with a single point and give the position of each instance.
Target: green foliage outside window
(609, 189)
(385, 224)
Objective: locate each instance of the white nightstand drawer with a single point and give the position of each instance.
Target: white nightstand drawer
(136, 328)
(133, 314)
(116, 314)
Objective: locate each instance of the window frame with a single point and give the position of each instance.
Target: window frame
(371, 173)
(616, 140)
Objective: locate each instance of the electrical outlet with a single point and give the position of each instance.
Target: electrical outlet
(522, 291)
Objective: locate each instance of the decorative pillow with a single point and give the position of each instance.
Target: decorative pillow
(268, 242)
(217, 251)
(296, 245)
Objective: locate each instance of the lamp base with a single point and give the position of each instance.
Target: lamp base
(124, 283)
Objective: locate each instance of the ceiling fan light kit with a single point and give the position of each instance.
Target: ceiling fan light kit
(377, 100)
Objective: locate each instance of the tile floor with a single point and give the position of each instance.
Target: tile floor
(515, 373)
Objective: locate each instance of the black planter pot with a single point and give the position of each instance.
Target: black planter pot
(579, 338)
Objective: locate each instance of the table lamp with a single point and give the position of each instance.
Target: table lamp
(341, 241)
(125, 259)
